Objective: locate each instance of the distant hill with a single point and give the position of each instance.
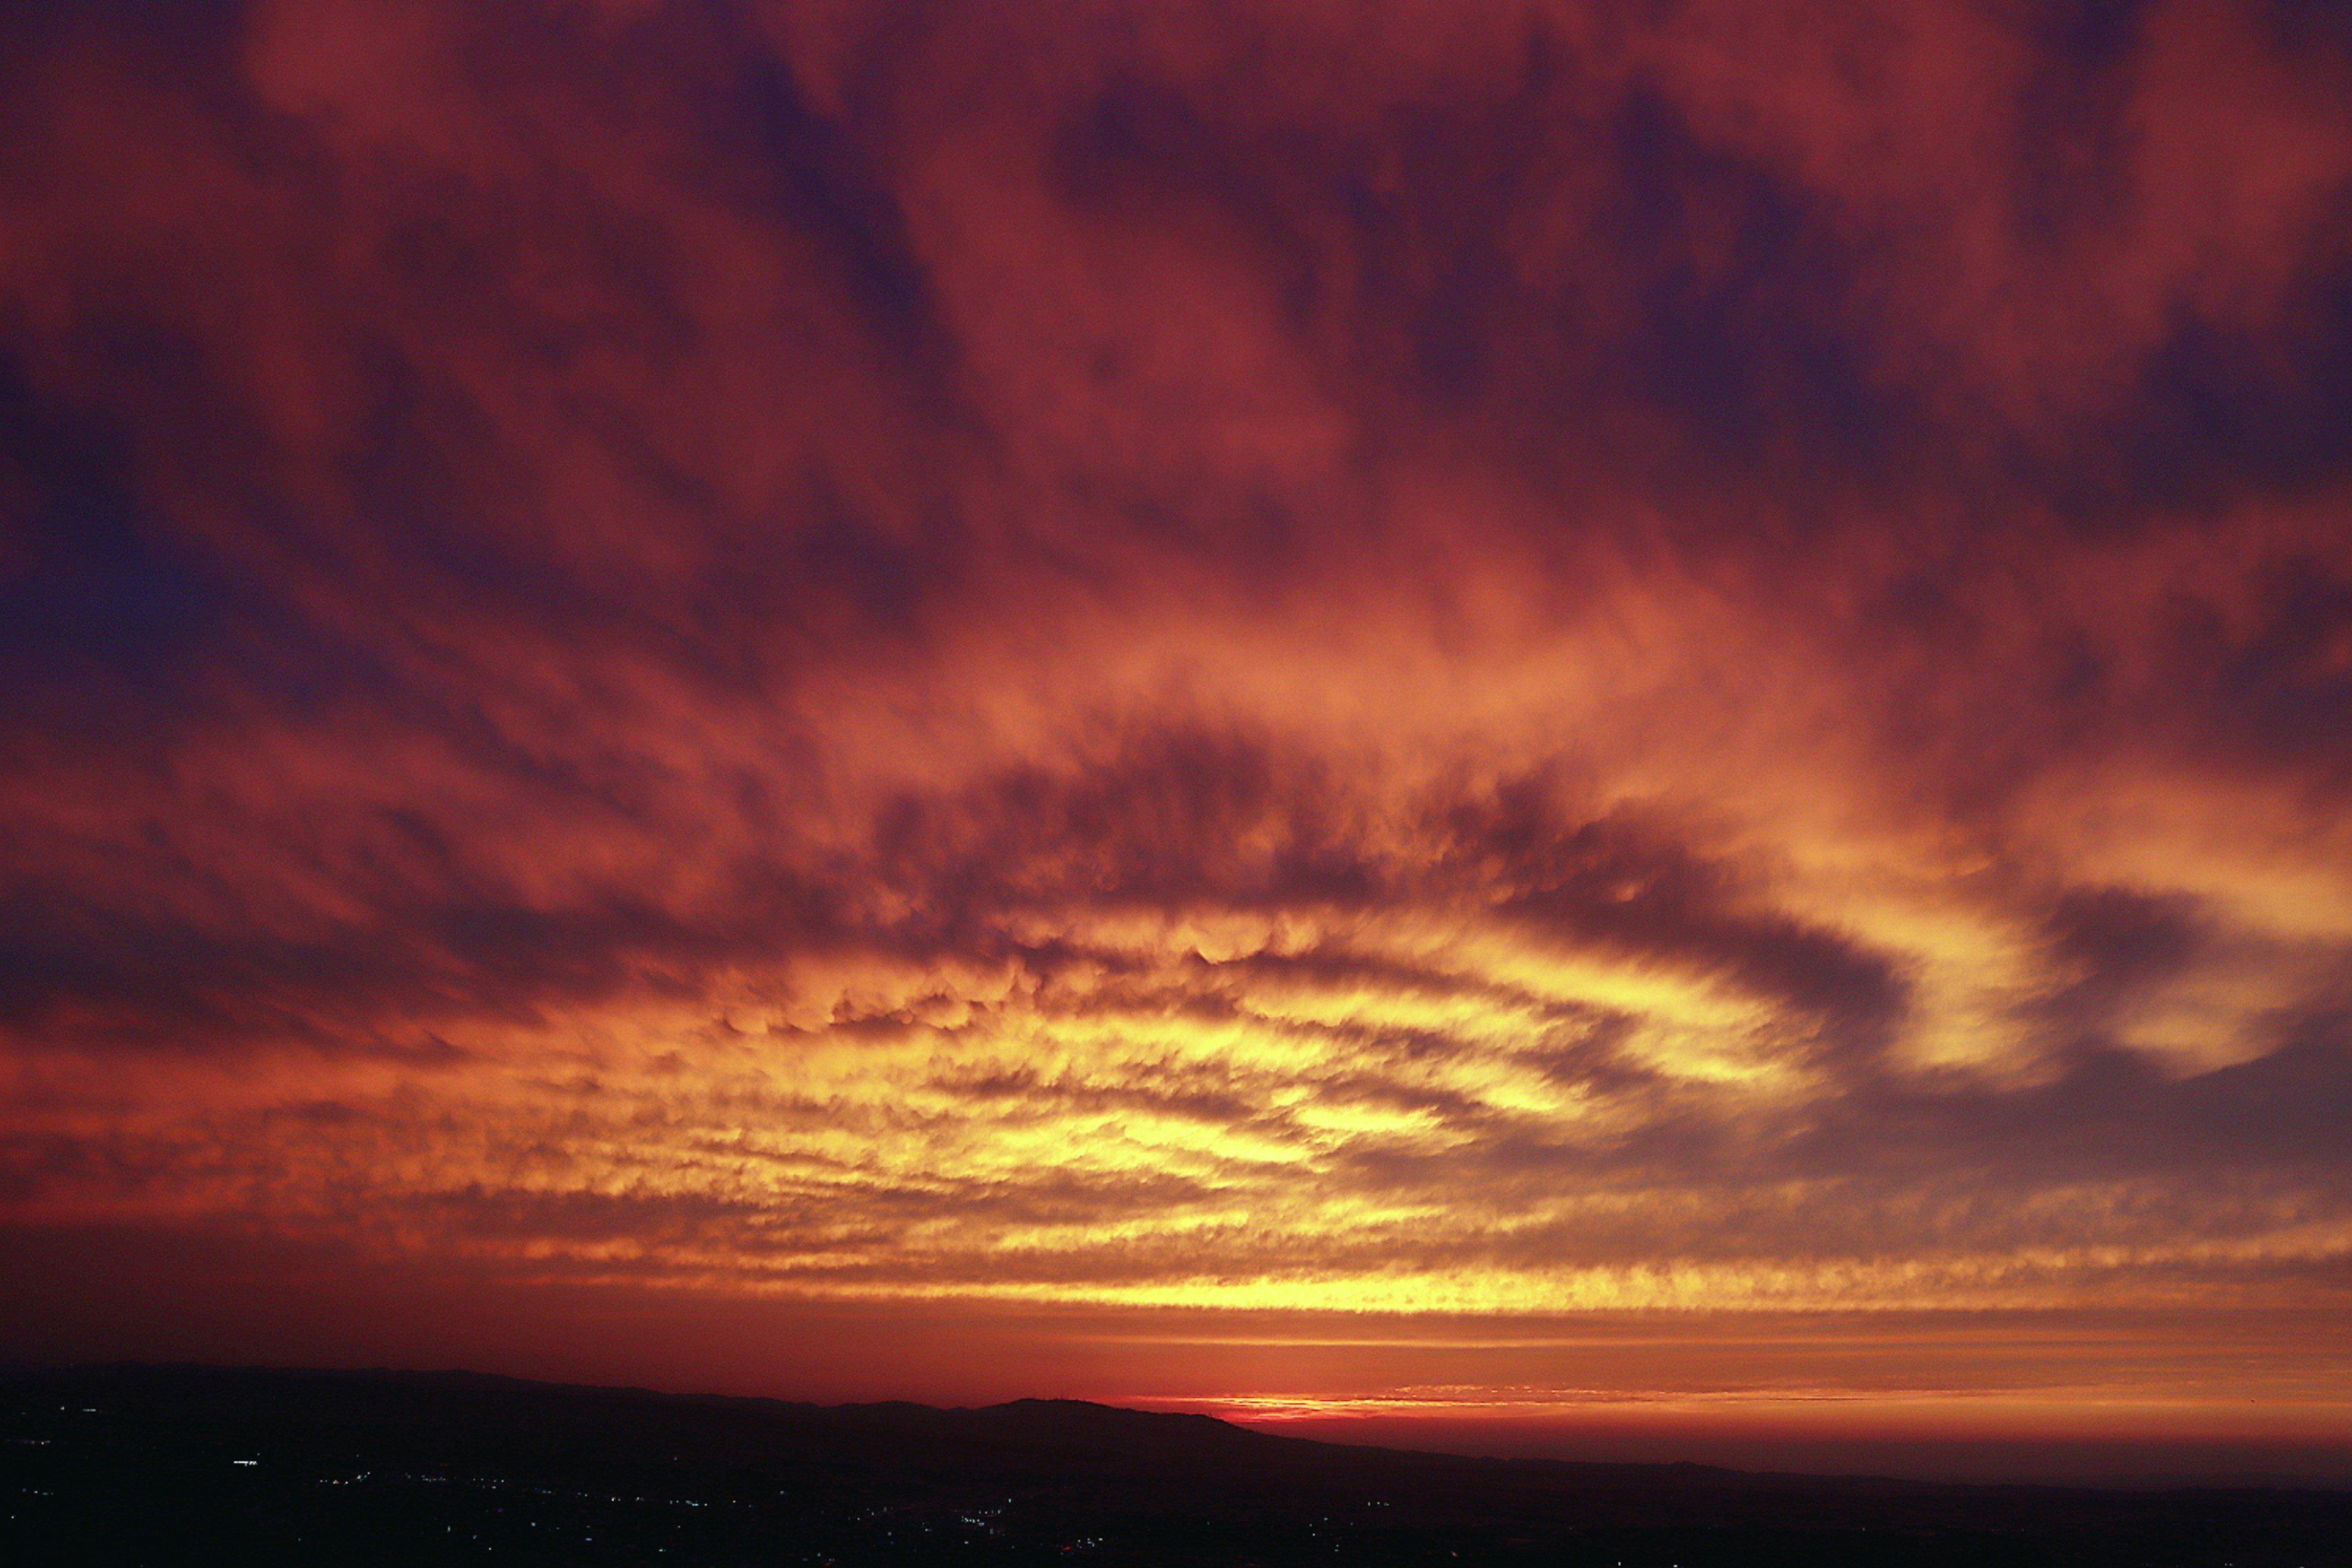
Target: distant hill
(133, 1465)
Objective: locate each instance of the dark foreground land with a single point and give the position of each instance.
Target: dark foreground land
(156, 1466)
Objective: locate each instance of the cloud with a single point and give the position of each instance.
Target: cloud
(1313, 656)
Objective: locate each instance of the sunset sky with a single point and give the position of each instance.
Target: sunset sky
(1600, 728)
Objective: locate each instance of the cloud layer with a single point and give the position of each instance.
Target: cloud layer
(1413, 658)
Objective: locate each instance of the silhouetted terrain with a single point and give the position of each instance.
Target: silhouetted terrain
(142, 1464)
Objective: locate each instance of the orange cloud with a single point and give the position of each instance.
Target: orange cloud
(1393, 662)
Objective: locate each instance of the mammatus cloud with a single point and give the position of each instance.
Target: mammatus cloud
(1480, 658)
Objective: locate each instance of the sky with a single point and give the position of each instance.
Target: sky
(1606, 727)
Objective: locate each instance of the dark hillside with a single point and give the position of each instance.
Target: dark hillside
(162, 1466)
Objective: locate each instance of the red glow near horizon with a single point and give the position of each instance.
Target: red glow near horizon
(1564, 721)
